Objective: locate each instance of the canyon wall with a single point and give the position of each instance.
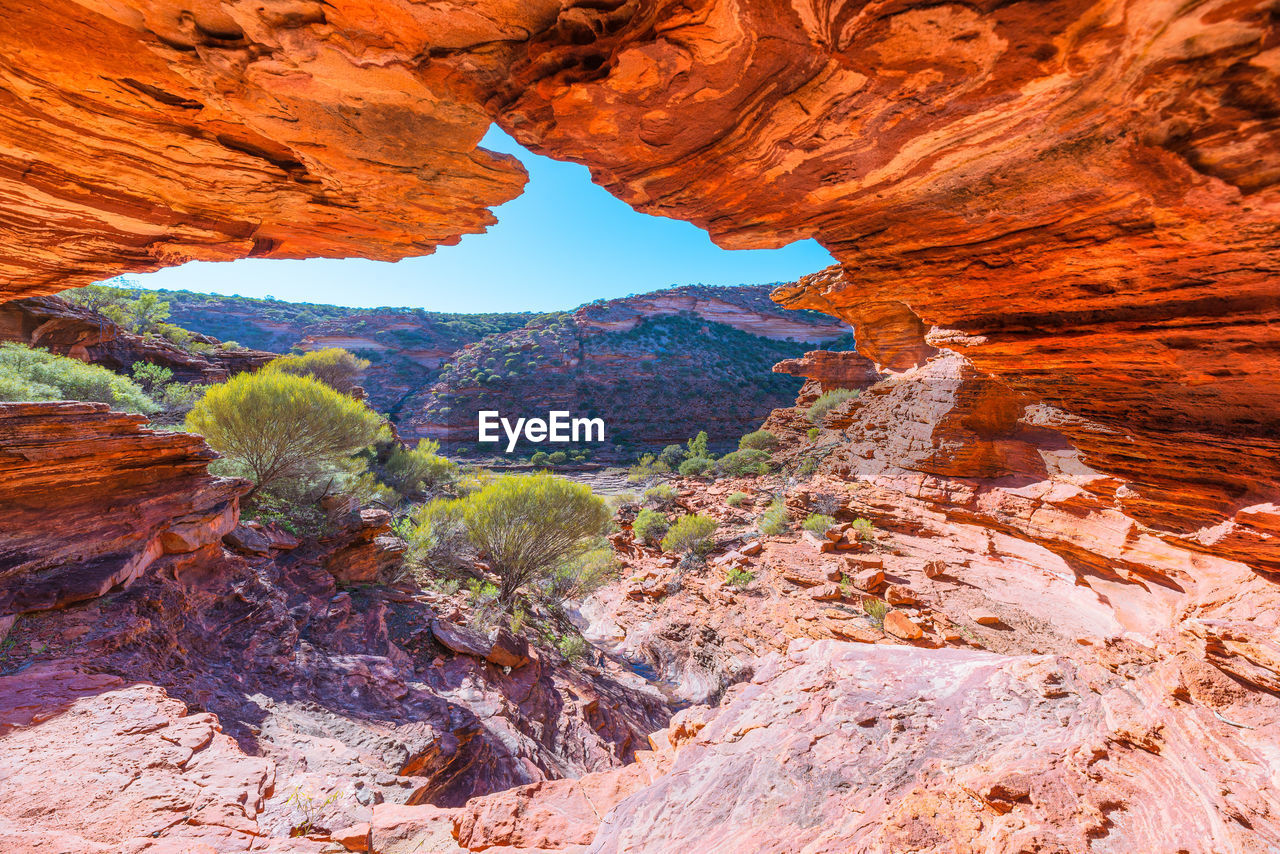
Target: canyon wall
(1081, 197)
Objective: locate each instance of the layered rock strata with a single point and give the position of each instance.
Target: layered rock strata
(61, 327)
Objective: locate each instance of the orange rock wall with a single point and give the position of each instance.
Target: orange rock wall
(1080, 196)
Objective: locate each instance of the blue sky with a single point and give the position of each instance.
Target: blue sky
(563, 243)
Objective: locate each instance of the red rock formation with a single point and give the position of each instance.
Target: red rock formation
(91, 498)
(1083, 198)
(142, 640)
(827, 370)
(62, 327)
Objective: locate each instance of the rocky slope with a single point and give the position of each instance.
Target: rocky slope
(657, 368)
(1078, 682)
(237, 686)
(62, 327)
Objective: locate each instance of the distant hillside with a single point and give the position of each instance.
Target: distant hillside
(405, 345)
(657, 367)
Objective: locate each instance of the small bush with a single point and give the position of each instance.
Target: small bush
(760, 440)
(690, 535)
(557, 458)
(775, 520)
(420, 469)
(332, 366)
(737, 499)
(864, 529)
(739, 577)
(280, 426)
(813, 433)
(662, 495)
(151, 377)
(743, 463)
(650, 527)
(876, 610)
(818, 523)
(695, 466)
(573, 647)
(528, 525)
(671, 456)
(807, 467)
(826, 402)
(32, 375)
(698, 445)
(539, 458)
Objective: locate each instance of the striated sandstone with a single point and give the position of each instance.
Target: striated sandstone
(62, 327)
(92, 498)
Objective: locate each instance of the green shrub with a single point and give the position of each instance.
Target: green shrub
(739, 577)
(573, 646)
(698, 445)
(690, 535)
(582, 574)
(650, 527)
(671, 456)
(818, 523)
(876, 610)
(737, 499)
(807, 466)
(279, 426)
(760, 440)
(662, 495)
(864, 529)
(420, 469)
(437, 536)
(30, 374)
(151, 377)
(557, 458)
(827, 401)
(528, 525)
(332, 366)
(743, 463)
(695, 466)
(775, 520)
(539, 458)
(813, 433)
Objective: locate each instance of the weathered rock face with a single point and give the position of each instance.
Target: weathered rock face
(827, 370)
(62, 327)
(91, 498)
(227, 699)
(1084, 198)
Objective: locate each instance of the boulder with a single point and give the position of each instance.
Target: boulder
(507, 650)
(900, 625)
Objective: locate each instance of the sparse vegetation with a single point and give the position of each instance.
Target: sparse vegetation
(828, 401)
(864, 529)
(775, 520)
(690, 535)
(30, 374)
(760, 440)
(662, 495)
(741, 463)
(818, 523)
(813, 433)
(650, 527)
(739, 577)
(876, 610)
(736, 499)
